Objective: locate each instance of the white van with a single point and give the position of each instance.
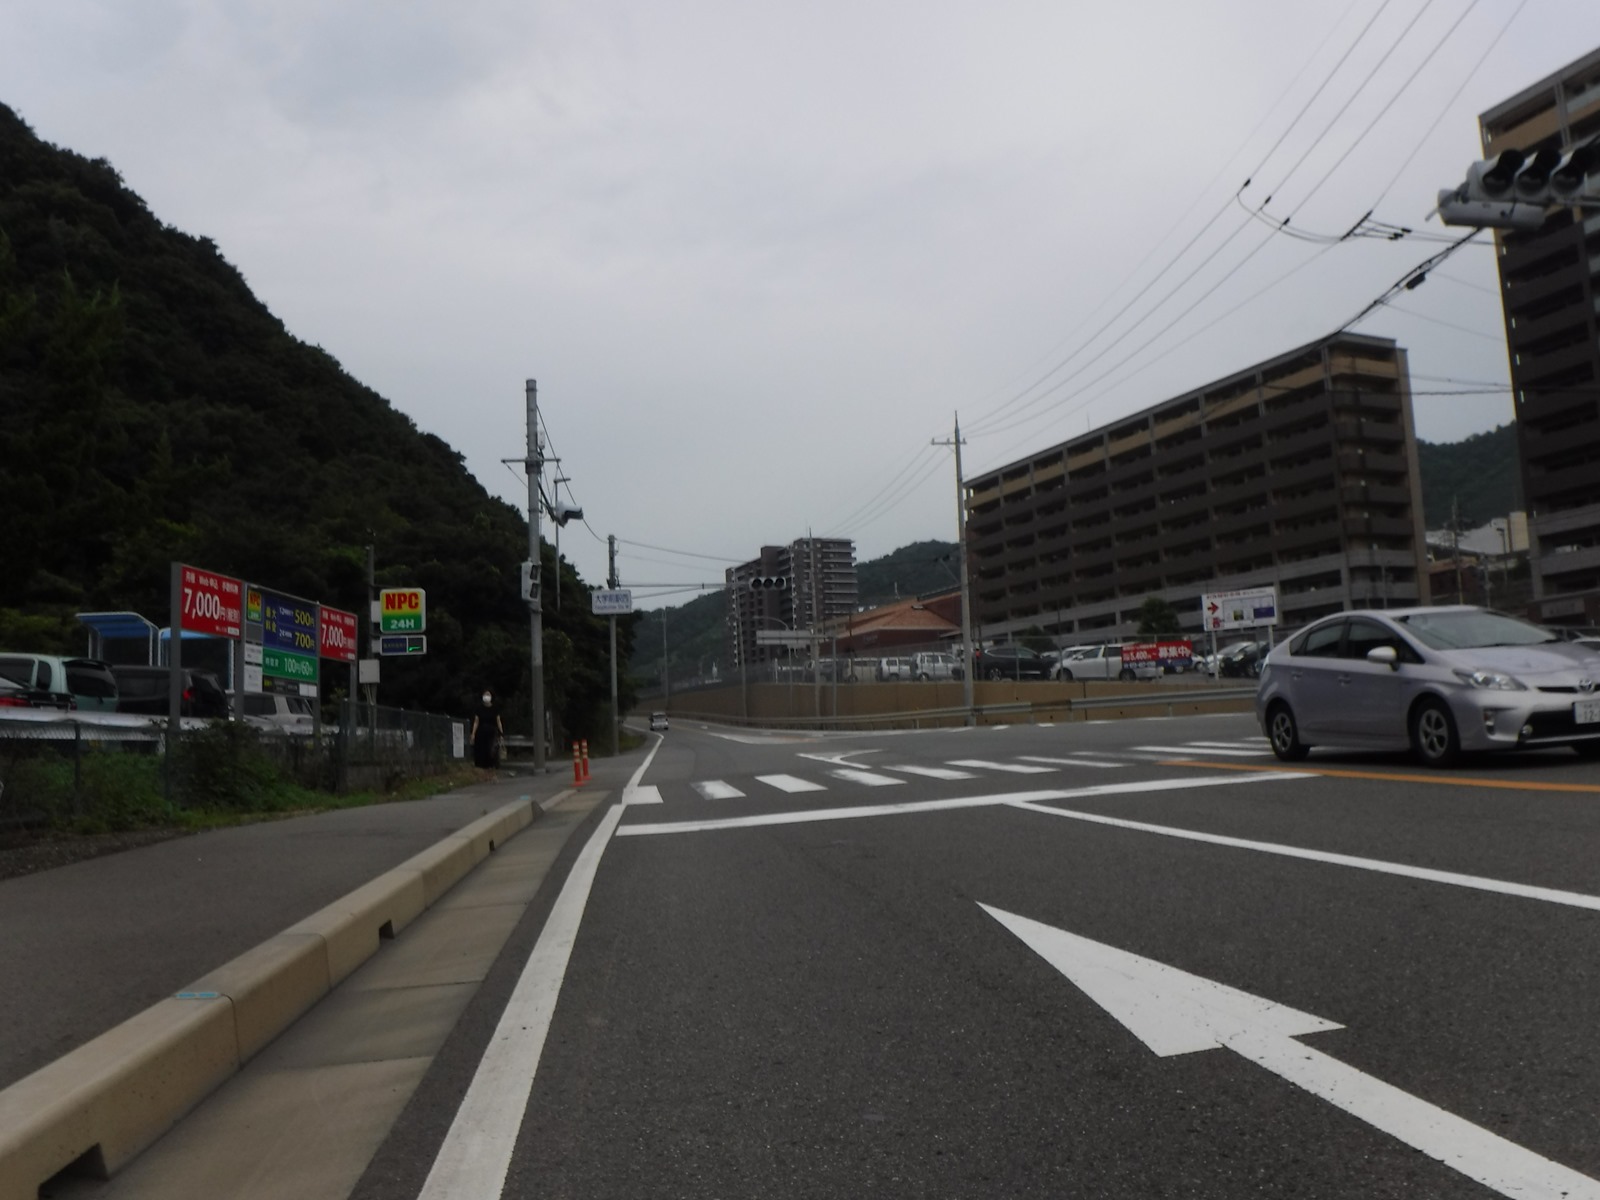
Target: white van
(897, 668)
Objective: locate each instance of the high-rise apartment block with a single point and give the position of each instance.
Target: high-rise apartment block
(797, 587)
(1550, 290)
(1300, 472)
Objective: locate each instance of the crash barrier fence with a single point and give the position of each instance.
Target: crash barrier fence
(1169, 704)
(370, 748)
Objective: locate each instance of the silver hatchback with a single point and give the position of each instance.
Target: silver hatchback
(1438, 681)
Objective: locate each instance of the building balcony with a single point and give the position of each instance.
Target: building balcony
(1528, 369)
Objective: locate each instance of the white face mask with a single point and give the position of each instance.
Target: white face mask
(487, 698)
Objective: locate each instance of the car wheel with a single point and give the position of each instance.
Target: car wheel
(1433, 734)
(996, 674)
(851, 679)
(1065, 674)
(1127, 675)
(922, 678)
(1284, 734)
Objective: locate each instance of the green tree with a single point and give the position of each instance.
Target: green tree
(1157, 618)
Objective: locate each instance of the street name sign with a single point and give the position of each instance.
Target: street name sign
(1242, 609)
(792, 638)
(616, 602)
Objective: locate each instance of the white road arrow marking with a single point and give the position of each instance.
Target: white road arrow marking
(1174, 1012)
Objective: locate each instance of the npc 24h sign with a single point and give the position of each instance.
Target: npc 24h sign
(402, 610)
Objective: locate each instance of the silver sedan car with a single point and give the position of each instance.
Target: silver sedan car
(1437, 680)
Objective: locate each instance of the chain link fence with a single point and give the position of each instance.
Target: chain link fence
(113, 771)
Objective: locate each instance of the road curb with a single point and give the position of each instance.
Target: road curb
(98, 1106)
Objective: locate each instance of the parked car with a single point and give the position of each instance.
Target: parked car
(896, 668)
(930, 665)
(658, 722)
(1437, 680)
(1008, 662)
(1104, 662)
(82, 683)
(281, 714)
(144, 690)
(1241, 660)
(14, 695)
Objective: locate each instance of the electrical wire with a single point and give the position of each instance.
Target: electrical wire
(681, 553)
(983, 418)
(1477, 333)
(889, 505)
(851, 517)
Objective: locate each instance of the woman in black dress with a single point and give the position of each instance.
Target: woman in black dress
(486, 733)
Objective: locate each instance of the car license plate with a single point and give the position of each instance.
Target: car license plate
(1585, 712)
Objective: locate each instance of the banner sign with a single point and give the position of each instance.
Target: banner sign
(210, 603)
(338, 635)
(1174, 651)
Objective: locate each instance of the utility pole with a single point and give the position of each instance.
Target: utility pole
(555, 494)
(534, 465)
(611, 582)
(666, 664)
(1455, 540)
(966, 588)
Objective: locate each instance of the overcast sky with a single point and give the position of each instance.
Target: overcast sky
(757, 256)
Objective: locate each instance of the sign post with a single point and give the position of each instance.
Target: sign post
(1244, 608)
(611, 604)
(202, 602)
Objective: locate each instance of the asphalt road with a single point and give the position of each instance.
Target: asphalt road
(899, 964)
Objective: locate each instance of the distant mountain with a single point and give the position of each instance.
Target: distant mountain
(1480, 474)
(152, 409)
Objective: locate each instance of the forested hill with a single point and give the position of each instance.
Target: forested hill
(152, 409)
(1480, 474)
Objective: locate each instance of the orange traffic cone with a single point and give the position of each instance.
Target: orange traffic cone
(585, 745)
(577, 767)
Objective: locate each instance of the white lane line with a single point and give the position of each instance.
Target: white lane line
(929, 772)
(649, 794)
(1070, 762)
(1198, 749)
(1018, 799)
(476, 1154)
(716, 789)
(869, 778)
(983, 764)
(1242, 743)
(791, 783)
(633, 781)
(1476, 882)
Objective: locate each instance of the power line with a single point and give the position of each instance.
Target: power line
(681, 553)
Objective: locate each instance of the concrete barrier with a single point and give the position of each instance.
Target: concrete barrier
(97, 1107)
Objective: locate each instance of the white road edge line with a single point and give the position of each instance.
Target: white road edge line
(476, 1154)
(1428, 874)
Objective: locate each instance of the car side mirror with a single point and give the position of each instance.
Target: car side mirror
(1384, 654)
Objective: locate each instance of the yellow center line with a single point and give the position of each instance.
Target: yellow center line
(1453, 780)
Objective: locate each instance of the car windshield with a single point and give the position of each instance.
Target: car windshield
(1472, 628)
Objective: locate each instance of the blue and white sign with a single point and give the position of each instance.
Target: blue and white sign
(1243, 609)
(617, 603)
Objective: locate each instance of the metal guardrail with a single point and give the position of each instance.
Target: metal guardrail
(1030, 708)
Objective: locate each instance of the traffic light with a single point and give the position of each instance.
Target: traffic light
(1513, 189)
(774, 583)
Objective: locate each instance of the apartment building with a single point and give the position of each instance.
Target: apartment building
(1550, 292)
(1300, 472)
(795, 587)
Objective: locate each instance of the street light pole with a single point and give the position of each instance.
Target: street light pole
(966, 581)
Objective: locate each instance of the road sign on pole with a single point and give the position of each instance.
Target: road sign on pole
(402, 610)
(1242, 609)
(403, 644)
(611, 602)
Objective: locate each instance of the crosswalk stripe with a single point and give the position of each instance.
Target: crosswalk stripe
(930, 772)
(1205, 750)
(1012, 768)
(649, 794)
(1069, 762)
(791, 783)
(716, 789)
(869, 778)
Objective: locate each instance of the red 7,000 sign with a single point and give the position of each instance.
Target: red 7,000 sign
(210, 602)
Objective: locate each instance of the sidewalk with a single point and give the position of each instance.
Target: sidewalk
(90, 945)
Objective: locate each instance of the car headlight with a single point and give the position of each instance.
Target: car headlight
(1494, 681)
